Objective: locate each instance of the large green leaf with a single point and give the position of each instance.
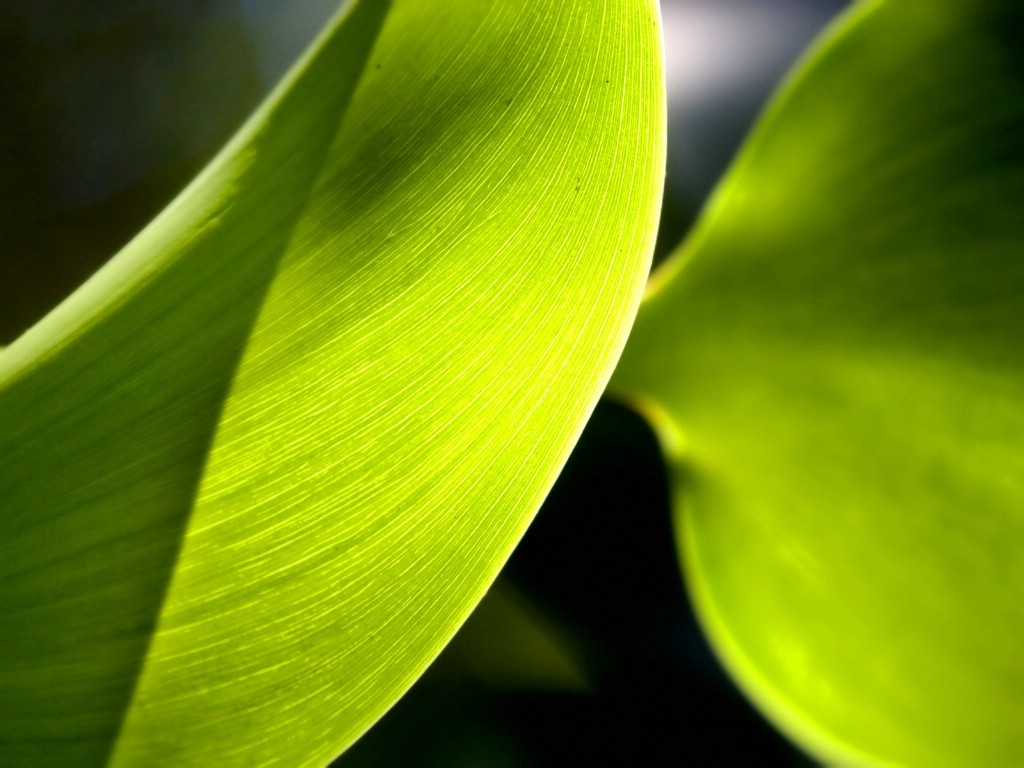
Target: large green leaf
(258, 469)
(835, 362)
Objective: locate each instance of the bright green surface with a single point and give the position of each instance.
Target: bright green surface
(258, 470)
(836, 365)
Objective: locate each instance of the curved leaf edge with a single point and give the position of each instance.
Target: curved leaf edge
(133, 263)
(672, 438)
(668, 270)
(131, 266)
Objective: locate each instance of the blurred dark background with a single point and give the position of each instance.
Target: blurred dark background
(587, 651)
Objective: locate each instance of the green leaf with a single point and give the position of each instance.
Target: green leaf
(834, 364)
(260, 468)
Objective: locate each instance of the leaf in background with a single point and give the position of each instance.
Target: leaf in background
(835, 366)
(259, 469)
(511, 643)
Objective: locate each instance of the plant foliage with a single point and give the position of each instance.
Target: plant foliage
(833, 362)
(261, 466)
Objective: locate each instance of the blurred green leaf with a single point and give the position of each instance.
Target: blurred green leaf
(510, 643)
(259, 469)
(834, 364)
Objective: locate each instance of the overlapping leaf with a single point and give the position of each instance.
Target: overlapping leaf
(257, 471)
(835, 365)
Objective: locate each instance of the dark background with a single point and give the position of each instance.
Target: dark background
(589, 654)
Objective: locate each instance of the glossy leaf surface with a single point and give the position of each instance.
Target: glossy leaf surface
(259, 469)
(834, 363)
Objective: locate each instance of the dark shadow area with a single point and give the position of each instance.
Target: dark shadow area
(108, 110)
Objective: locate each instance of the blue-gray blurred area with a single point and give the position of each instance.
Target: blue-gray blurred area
(109, 107)
(722, 58)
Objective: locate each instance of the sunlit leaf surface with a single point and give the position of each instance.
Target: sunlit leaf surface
(258, 470)
(835, 362)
